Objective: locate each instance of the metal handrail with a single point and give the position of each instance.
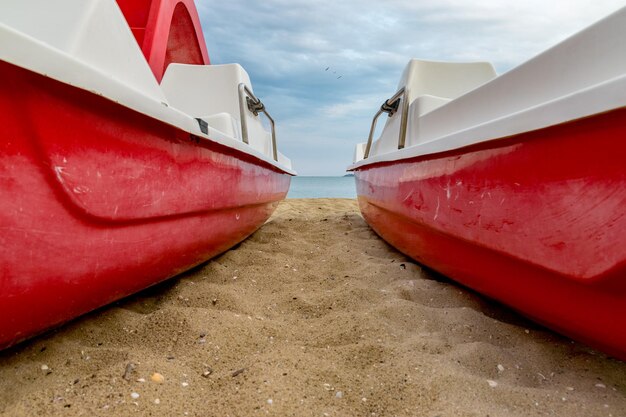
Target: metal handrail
(255, 106)
(390, 106)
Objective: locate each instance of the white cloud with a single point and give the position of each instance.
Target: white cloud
(351, 106)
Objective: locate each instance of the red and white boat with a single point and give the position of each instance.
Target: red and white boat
(514, 185)
(119, 169)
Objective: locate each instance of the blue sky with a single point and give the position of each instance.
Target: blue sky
(286, 46)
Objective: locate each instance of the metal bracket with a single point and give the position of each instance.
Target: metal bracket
(391, 106)
(204, 126)
(255, 106)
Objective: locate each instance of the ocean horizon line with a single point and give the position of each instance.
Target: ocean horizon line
(322, 186)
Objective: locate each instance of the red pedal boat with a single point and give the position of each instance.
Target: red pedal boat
(119, 169)
(514, 185)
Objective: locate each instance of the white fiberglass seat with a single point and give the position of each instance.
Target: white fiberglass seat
(443, 81)
(428, 86)
(211, 93)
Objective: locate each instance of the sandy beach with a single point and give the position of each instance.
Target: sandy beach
(313, 315)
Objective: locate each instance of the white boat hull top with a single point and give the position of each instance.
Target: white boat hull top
(451, 105)
(88, 44)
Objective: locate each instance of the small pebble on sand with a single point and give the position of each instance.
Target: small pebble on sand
(130, 368)
(492, 383)
(158, 378)
(134, 395)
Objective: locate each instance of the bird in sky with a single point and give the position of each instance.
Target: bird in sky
(334, 72)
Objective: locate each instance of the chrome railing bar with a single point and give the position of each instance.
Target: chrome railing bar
(369, 138)
(242, 113)
(390, 107)
(255, 106)
(405, 118)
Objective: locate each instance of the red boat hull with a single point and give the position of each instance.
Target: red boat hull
(535, 221)
(98, 201)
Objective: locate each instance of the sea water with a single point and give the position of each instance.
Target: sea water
(322, 187)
